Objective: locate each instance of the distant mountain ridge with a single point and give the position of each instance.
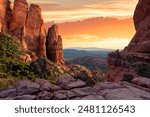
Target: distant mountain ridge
(77, 53)
(90, 49)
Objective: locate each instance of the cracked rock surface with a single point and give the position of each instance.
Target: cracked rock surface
(68, 88)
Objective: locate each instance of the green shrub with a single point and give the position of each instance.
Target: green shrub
(4, 83)
(9, 48)
(144, 70)
(12, 68)
(127, 77)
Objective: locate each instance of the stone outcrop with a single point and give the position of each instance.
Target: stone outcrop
(18, 21)
(34, 31)
(27, 26)
(126, 64)
(141, 41)
(5, 15)
(68, 88)
(2, 13)
(54, 46)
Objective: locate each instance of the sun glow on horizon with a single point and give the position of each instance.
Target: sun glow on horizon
(94, 41)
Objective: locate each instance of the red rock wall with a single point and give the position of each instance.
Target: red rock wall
(138, 51)
(27, 26)
(141, 41)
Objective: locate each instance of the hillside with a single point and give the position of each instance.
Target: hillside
(91, 62)
(76, 53)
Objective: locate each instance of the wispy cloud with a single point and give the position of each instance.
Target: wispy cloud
(87, 40)
(68, 10)
(110, 8)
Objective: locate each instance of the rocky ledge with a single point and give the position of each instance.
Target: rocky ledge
(68, 88)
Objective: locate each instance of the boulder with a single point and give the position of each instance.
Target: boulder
(106, 85)
(81, 92)
(25, 58)
(45, 96)
(68, 82)
(142, 81)
(26, 87)
(8, 93)
(33, 56)
(120, 94)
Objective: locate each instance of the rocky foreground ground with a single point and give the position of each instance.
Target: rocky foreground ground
(68, 88)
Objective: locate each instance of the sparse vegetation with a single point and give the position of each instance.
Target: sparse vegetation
(12, 68)
(128, 77)
(144, 70)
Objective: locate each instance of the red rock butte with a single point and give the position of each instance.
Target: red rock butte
(25, 23)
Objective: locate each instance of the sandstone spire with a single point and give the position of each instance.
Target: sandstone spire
(5, 15)
(54, 46)
(27, 26)
(35, 33)
(20, 11)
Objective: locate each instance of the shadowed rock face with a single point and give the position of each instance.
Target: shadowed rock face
(137, 52)
(141, 12)
(141, 41)
(54, 46)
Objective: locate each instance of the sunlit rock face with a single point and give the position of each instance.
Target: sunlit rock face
(35, 33)
(25, 24)
(18, 21)
(54, 46)
(5, 15)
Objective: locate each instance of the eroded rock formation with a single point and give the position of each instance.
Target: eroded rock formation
(27, 26)
(34, 31)
(54, 46)
(5, 15)
(126, 64)
(141, 41)
(18, 21)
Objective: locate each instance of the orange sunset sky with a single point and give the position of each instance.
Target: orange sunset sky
(91, 23)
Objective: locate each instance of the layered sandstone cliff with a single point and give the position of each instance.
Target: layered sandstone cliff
(27, 26)
(125, 64)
